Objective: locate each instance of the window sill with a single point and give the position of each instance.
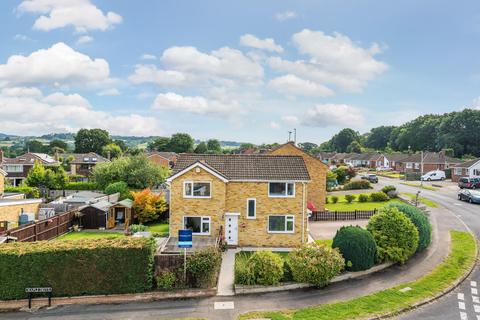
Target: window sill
(281, 232)
(193, 197)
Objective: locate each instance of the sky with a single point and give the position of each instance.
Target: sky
(246, 71)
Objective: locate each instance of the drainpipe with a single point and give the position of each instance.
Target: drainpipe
(303, 213)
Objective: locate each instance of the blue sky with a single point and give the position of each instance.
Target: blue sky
(244, 71)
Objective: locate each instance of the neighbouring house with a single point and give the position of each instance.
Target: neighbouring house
(395, 160)
(254, 200)
(317, 188)
(325, 157)
(431, 161)
(467, 169)
(378, 160)
(81, 163)
(13, 208)
(165, 159)
(19, 167)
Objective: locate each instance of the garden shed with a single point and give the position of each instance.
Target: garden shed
(120, 214)
(95, 215)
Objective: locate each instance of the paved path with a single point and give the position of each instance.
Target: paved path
(226, 278)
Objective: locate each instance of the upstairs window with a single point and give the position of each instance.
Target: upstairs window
(197, 189)
(251, 208)
(281, 189)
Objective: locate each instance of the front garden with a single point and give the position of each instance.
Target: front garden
(394, 235)
(362, 202)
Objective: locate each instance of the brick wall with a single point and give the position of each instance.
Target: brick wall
(232, 197)
(12, 212)
(155, 158)
(316, 190)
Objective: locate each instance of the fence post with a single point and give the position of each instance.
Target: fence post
(335, 215)
(57, 224)
(355, 214)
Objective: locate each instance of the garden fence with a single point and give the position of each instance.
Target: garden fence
(43, 229)
(341, 215)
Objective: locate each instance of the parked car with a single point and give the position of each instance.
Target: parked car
(384, 169)
(472, 196)
(469, 183)
(435, 175)
(370, 177)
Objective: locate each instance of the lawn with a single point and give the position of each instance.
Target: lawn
(343, 205)
(157, 227)
(89, 235)
(425, 201)
(327, 242)
(393, 175)
(418, 185)
(460, 259)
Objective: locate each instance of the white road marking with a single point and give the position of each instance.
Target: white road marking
(457, 204)
(405, 289)
(474, 291)
(461, 305)
(475, 299)
(477, 308)
(473, 283)
(461, 296)
(463, 316)
(225, 305)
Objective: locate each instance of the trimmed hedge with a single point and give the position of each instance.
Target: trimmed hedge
(379, 197)
(82, 186)
(420, 221)
(267, 267)
(30, 192)
(357, 184)
(395, 235)
(77, 267)
(357, 247)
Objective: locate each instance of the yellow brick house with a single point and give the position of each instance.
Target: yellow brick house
(254, 200)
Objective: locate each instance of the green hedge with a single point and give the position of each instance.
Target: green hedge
(420, 221)
(357, 184)
(357, 247)
(77, 267)
(82, 186)
(30, 192)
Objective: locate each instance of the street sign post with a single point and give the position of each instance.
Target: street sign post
(185, 240)
(31, 291)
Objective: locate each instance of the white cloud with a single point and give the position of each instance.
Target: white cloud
(268, 44)
(109, 92)
(293, 85)
(29, 112)
(84, 40)
(21, 37)
(326, 115)
(151, 74)
(476, 103)
(286, 15)
(274, 125)
(193, 104)
(81, 14)
(59, 65)
(291, 120)
(147, 56)
(333, 60)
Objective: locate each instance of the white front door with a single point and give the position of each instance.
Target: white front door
(231, 229)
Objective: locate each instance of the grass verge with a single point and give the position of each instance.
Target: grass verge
(425, 201)
(89, 235)
(418, 185)
(390, 301)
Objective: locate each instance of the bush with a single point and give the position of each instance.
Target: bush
(166, 280)
(134, 228)
(30, 192)
(77, 267)
(267, 267)
(392, 194)
(349, 198)
(395, 235)
(357, 184)
(378, 197)
(326, 200)
(243, 273)
(315, 264)
(362, 198)
(420, 220)
(119, 187)
(203, 266)
(357, 247)
(386, 189)
(334, 199)
(149, 206)
(81, 186)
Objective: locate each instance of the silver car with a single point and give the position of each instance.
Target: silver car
(471, 196)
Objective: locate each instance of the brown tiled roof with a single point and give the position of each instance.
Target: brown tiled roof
(30, 158)
(438, 158)
(249, 167)
(397, 157)
(164, 154)
(467, 164)
(79, 158)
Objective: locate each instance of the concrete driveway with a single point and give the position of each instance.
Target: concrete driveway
(324, 230)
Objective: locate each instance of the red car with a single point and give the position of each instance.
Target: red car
(469, 183)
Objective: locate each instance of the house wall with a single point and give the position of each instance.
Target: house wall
(155, 158)
(467, 172)
(232, 197)
(317, 188)
(12, 212)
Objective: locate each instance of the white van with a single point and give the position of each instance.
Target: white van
(434, 175)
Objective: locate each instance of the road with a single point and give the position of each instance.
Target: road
(221, 307)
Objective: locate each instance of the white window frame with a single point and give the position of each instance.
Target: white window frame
(16, 168)
(458, 171)
(288, 217)
(409, 165)
(202, 218)
(192, 183)
(254, 208)
(286, 190)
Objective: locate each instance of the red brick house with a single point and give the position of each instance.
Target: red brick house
(467, 169)
(431, 161)
(165, 159)
(19, 167)
(81, 163)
